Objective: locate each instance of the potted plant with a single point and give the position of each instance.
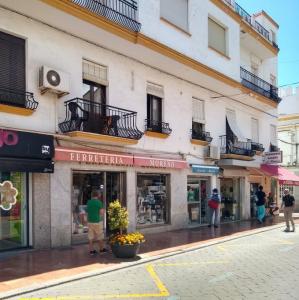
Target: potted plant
(123, 244)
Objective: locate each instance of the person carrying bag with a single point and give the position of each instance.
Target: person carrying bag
(213, 204)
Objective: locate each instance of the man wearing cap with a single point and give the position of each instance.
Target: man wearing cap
(288, 202)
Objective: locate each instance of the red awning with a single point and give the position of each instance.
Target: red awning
(283, 175)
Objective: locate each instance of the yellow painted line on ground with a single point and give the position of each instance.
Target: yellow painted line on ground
(150, 269)
(221, 248)
(183, 264)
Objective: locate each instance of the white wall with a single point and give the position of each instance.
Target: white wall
(194, 44)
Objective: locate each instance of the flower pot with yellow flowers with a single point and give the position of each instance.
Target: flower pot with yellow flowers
(123, 245)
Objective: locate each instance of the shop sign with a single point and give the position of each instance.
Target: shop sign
(272, 157)
(90, 157)
(22, 144)
(8, 195)
(205, 169)
(159, 163)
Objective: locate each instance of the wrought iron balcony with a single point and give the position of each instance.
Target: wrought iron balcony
(122, 12)
(88, 116)
(275, 45)
(257, 147)
(259, 85)
(273, 148)
(202, 136)
(228, 146)
(157, 126)
(262, 30)
(247, 17)
(17, 98)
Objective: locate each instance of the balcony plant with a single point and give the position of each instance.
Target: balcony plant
(123, 244)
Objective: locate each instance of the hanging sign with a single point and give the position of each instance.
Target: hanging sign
(272, 157)
(8, 195)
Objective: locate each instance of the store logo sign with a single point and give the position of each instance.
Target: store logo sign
(8, 195)
(8, 138)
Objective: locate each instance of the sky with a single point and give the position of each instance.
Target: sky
(286, 14)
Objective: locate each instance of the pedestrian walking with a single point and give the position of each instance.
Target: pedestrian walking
(288, 204)
(214, 208)
(260, 204)
(95, 213)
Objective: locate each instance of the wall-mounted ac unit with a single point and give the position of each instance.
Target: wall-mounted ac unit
(53, 80)
(213, 152)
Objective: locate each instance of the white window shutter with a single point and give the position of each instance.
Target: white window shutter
(95, 72)
(198, 111)
(255, 130)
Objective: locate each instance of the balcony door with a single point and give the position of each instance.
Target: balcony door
(95, 93)
(154, 113)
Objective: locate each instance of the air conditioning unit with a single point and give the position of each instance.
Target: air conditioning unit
(53, 80)
(213, 152)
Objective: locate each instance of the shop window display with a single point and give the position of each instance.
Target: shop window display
(13, 217)
(230, 200)
(152, 199)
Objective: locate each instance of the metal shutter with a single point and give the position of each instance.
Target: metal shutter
(12, 70)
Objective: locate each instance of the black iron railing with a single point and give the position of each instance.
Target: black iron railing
(275, 45)
(243, 13)
(259, 85)
(122, 12)
(235, 147)
(262, 30)
(273, 148)
(201, 136)
(157, 126)
(257, 147)
(17, 98)
(247, 17)
(88, 116)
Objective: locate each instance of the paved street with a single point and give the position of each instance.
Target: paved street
(261, 266)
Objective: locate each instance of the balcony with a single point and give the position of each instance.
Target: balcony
(258, 148)
(259, 85)
(18, 102)
(96, 121)
(235, 149)
(157, 128)
(248, 19)
(202, 138)
(122, 12)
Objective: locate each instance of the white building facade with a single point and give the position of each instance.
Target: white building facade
(148, 105)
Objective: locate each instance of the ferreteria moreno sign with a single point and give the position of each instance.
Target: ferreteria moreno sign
(117, 159)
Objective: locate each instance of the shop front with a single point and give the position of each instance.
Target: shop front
(21, 154)
(200, 182)
(142, 184)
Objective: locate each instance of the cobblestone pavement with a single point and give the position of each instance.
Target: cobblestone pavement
(261, 266)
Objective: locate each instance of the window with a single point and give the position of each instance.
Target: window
(217, 37)
(12, 70)
(155, 94)
(176, 12)
(255, 130)
(273, 34)
(273, 79)
(198, 119)
(273, 135)
(94, 91)
(153, 200)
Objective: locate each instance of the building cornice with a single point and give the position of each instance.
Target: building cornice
(141, 39)
(246, 27)
(288, 117)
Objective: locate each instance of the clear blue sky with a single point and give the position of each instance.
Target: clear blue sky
(286, 14)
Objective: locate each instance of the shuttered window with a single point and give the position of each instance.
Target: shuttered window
(255, 130)
(12, 69)
(176, 12)
(95, 72)
(198, 112)
(217, 37)
(273, 135)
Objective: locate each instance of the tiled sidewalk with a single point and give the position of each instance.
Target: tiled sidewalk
(35, 267)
